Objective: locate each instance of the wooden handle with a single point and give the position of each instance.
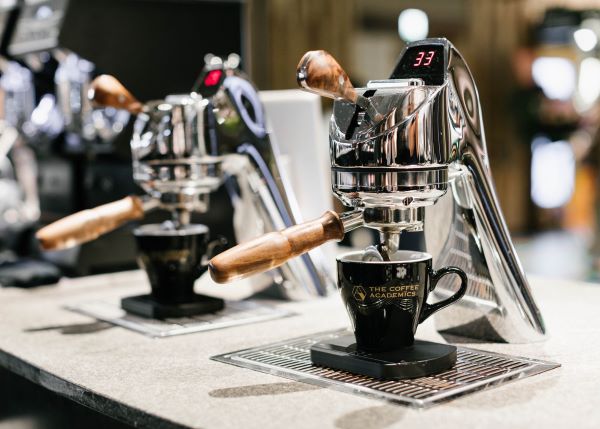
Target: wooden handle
(89, 224)
(320, 73)
(275, 248)
(107, 91)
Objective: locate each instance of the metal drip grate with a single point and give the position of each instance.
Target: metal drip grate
(235, 313)
(475, 370)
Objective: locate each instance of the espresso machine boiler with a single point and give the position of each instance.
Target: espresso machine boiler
(408, 154)
(184, 148)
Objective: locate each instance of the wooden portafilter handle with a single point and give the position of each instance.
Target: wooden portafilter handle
(275, 248)
(320, 73)
(89, 224)
(107, 91)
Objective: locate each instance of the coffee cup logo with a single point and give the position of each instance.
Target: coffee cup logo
(387, 300)
(359, 293)
(400, 272)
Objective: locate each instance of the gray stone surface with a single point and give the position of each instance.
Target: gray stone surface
(172, 383)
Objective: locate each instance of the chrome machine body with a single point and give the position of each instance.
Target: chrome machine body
(424, 167)
(186, 146)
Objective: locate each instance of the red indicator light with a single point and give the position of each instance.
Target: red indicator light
(424, 58)
(213, 77)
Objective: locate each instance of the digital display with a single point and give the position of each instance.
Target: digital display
(213, 77)
(424, 58)
(426, 62)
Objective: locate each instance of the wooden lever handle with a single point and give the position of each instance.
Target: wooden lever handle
(275, 248)
(320, 73)
(107, 91)
(89, 224)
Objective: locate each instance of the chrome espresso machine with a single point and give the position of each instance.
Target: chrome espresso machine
(184, 147)
(408, 154)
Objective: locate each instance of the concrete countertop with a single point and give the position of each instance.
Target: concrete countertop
(171, 383)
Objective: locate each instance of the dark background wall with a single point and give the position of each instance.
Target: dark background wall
(154, 47)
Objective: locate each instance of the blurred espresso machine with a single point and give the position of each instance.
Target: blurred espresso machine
(184, 147)
(44, 117)
(408, 156)
(50, 52)
(52, 138)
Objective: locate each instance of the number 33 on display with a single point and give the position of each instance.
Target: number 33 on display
(426, 56)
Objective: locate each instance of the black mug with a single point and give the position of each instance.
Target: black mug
(173, 259)
(386, 300)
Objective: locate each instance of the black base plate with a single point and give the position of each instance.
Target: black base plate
(421, 359)
(147, 306)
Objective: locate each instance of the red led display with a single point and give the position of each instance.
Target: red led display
(424, 58)
(425, 62)
(213, 77)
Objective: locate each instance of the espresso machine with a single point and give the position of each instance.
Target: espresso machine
(61, 143)
(408, 156)
(184, 147)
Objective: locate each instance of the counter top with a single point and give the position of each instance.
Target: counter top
(171, 383)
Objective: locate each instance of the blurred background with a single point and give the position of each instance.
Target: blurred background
(536, 63)
(537, 67)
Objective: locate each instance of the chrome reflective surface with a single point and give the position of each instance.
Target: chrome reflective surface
(73, 77)
(186, 146)
(429, 152)
(171, 160)
(263, 199)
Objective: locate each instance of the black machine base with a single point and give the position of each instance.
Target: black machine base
(147, 306)
(421, 359)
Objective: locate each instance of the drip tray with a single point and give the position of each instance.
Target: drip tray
(235, 313)
(474, 370)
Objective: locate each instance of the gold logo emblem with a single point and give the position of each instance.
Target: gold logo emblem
(359, 293)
